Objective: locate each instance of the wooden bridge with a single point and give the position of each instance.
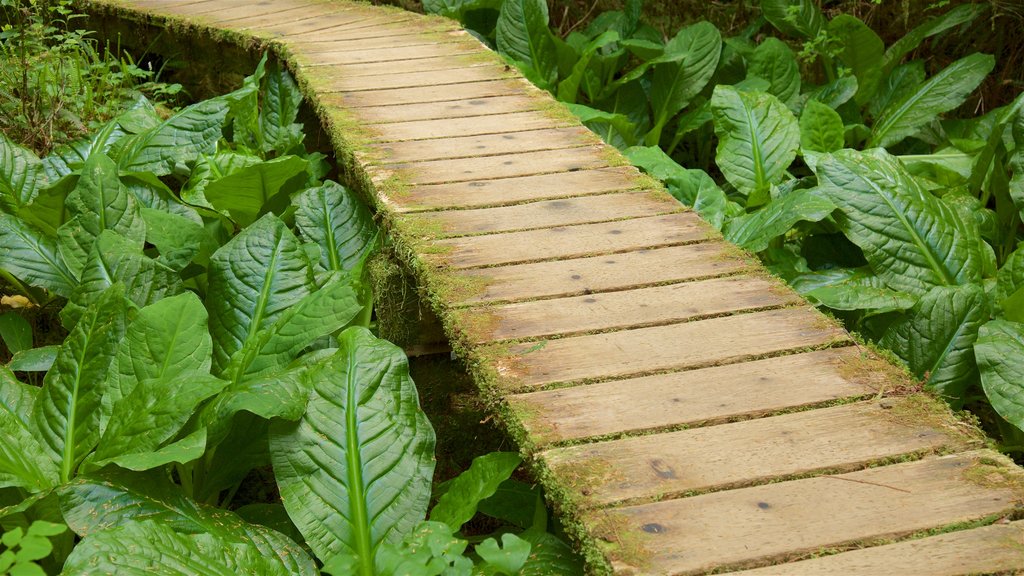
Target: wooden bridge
(685, 411)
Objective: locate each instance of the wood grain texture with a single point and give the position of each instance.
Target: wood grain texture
(455, 147)
(623, 309)
(335, 80)
(453, 109)
(715, 457)
(387, 60)
(461, 127)
(995, 549)
(691, 535)
(495, 167)
(674, 347)
(417, 95)
(572, 241)
(693, 397)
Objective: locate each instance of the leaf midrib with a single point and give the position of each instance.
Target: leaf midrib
(354, 461)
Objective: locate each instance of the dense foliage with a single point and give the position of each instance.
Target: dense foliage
(833, 161)
(219, 353)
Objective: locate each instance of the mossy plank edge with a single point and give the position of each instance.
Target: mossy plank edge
(598, 541)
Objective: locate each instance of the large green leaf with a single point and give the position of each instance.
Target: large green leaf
(1010, 286)
(21, 175)
(177, 238)
(939, 94)
(115, 259)
(861, 50)
(757, 139)
(821, 128)
(851, 289)
(15, 332)
(911, 239)
(22, 459)
(210, 168)
(281, 101)
(32, 257)
(355, 470)
(775, 62)
(692, 187)
(48, 210)
(99, 202)
(254, 279)
(523, 36)
(549, 555)
(568, 89)
(936, 339)
(66, 414)
(900, 82)
(954, 17)
(755, 230)
(181, 138)
(465, 492)
(333, 218)
(245, 194)
(684, 70)
(110, 498)
(1000, 354)
(799, 18)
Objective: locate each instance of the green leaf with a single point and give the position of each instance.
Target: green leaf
(281, 101)
(429, 550)
(210, 168)
(111, 498)
(15, 331)
(148, 548)
(116, 260)
(900, 82)
(862, 51)
(682, 72)
(334, 219)
(458, 505)
(23, 461)
(355, 470)
(937, 339)
(99, 202)
(854, 294)
(177, 238)
(244, 194)
(835, 93)
(66, 413)
(181, 138)
(1010, 286)
(549, 555)
(908, 43)
(603, 122)
(21, 175)
(755, 230)
(183, 451)
(34, 359)
(773, 61)
(1000, 354)
(939, 94)
(509, 559)
(911, 239)
(48, 210)
(569, 88)
(31, 256)
(523, 35)
(757, 139)
(692, 187)
(65, 159)
(798, 18)
(254, 279)
(821, 128)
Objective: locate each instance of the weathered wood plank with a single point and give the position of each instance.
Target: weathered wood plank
(691, 535)
(284, 14)
(544, 214)
(994, 549)
(507, 191)
(335, 79)
(571, 241)
(205, 8)
(230, 11)
(414, 38)
(840, 438)
(374, 27)
(707, 395)
(296, 28)
(599, 273)
(456, 127)
(441, 110)
(402, 59)
(624, 309)
(492, 167)
(485, 144)
(419, 95)
(661, 348)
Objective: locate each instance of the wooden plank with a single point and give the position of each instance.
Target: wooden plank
(693, 397)
(505, 191)
(454, 109)
(994, 549)
(500, 166)
(337, 81)
(198, 9)
(414, 38)
(842, 438)
(292, 14)
(599, 273)
(295, 28)
(544, 214)
(374, 27)
(571, 241)
(244, 9)
(456, 127)
(376, 61)
(661, 348)
(163, 5)
(625, 309)
(486, 144)
(692, 535)
(419, 95)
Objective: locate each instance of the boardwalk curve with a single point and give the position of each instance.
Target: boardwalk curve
(686, 412)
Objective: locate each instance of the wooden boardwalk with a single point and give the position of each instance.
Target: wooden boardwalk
(686, 412)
